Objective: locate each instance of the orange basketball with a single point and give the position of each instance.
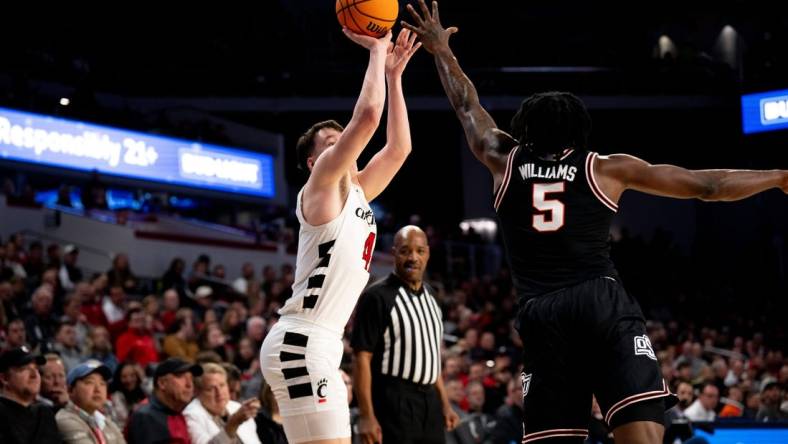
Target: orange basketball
(370, 17)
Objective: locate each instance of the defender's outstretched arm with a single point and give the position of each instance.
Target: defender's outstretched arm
(488, 143)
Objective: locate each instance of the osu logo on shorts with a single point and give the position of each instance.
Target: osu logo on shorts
(321, 390)
(643, 347)
(526, 380)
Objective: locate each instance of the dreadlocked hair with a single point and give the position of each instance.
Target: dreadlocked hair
(547, 123)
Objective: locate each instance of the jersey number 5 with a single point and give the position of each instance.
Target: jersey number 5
(552, 216)
(369, 246)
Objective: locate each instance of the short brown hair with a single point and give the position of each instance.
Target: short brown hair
(306, 143)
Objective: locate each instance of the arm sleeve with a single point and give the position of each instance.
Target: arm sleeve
(200, 434)
(65, 280)
(172, 348)
(69, 429)
(122, 349)
(370, 322)
(142, 430)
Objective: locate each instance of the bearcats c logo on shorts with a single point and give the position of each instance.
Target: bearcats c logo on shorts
(643, 347)
(321, 389)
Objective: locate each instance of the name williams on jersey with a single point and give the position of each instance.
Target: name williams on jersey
(532, 171)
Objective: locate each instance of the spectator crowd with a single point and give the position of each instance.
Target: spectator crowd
(101, 353)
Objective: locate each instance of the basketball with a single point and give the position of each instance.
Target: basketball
(371, 17)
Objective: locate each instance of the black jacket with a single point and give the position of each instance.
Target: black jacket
(155, 423)
(27, 425)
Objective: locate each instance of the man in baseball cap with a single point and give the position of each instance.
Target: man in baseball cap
(21, 419)
(771, 397)
(81, 419)
(175, 366)
(69, 273)
(161, 419)
(86, 369)
(19, 357)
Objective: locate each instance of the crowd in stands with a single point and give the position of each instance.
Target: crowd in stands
(141, 343)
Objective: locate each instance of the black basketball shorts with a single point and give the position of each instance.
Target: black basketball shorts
(584, 340)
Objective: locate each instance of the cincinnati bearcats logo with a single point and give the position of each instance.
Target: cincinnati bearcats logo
(321, 390)
(365, 215)
(643, 347)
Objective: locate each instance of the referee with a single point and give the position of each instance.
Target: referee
(397, 340)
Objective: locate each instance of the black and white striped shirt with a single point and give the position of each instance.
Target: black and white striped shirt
(402, 329)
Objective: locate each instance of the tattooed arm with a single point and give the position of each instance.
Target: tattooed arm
(488, 143)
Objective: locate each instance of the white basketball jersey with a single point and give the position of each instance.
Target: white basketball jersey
(332, 266)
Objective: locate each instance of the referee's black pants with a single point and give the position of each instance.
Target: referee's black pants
(408, 413)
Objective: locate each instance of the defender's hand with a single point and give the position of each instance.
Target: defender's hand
(428, 27)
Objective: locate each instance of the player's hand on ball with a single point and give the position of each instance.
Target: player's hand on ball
(428, 27)
(371, 43)
(400, 52)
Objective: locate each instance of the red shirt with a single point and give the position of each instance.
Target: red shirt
(135, 347)
(94, 314)
(167, 319)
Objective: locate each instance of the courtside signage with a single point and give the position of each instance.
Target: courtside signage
(764, 111)
(62, 143)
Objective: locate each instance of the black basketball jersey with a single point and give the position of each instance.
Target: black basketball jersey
(555, 221)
